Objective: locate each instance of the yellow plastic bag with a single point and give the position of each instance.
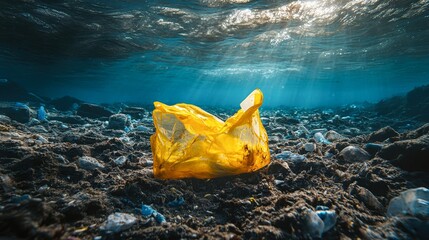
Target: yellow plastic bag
(189, 142)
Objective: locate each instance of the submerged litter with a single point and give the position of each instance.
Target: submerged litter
(414, 202)
(320, 221)
(319, 138)
(147, 212)
(189, 142)
(41, 114)
(117, 222)
(289, 156)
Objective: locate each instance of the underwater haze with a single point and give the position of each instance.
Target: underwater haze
(215, 52)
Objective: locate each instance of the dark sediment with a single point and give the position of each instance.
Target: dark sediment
(63, 177)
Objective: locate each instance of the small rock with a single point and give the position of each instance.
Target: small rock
(118, 121)
(18, 112)
(65, 103)
(134, 112)
(93, 111)
(367, 197)
(6, 183)
(142, 128)
(71, 119)
(332, 136)
(310, 147)
(89, 163)
(383, 134)
(410, 155)
(118, 222)
(373, 148)
(354, 154)
(4, 119)
(120, 160)
(279, 167)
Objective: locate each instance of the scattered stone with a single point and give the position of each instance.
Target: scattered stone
(89, 163)
(69, 119)
(118, 121)
(93, 111)
(120, 160)
(383, 134)
(366, 196)
(310, 147)
(373, 148)
(66, 103)
(118, 222)
(319, 138)
(410, 155)
(134, 112)
(333, 136)
(18, 112)
(5, 119)
(354, 154)
(423, 130)
(276, 167)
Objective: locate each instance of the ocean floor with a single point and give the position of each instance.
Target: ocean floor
(62, 177)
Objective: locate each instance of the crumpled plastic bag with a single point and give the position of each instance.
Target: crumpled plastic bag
(190, 142)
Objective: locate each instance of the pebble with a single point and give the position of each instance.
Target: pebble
(333, 136)
(118, 121)
(354, 154)
(310, 147)
(89, 163)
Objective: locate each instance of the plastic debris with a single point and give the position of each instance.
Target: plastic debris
(414, 202)
(41, 114)
(159, 217)
(147, 212)
(120, 160)
(177, 202)
(314, 224)
(289, 156)
(320, 221)
(190, 142)
(320, 138)
(329, 218)
(118, 222)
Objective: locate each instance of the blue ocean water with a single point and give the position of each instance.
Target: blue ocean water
(214, 52)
